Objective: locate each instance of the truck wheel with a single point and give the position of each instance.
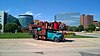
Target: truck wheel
(56, 40)
(36, 37)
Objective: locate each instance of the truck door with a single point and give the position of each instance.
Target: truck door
(50, 34)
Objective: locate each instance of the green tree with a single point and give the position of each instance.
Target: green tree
(0, 27)
(86, 29)
(80, 28)
(91, 27)
(73, 28)
(11, 27)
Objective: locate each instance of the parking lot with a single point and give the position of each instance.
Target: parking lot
(31, 47)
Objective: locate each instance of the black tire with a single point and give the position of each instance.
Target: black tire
(56, 39)
(62, 40)
(36, 37)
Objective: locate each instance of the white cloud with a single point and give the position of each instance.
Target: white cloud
(29, 13)
(8, 10)
(34, 14)
(16, 16)
(75, 16)
(37, 15)
(91, 14)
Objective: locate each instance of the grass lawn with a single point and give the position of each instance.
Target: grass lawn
(15, 35)
(78, 36)
(27, 35)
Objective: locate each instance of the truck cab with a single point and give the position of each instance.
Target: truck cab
(54, 35)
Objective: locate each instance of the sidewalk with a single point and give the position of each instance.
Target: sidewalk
(94, 34)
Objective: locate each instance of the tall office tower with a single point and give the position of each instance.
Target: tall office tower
(86, 20)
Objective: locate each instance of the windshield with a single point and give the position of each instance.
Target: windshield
(58, 33)
(52, 31)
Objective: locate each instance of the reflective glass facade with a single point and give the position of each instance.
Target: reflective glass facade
(25, 20)
(7, 18)
(70, 19)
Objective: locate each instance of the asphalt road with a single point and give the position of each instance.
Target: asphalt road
(30, 47)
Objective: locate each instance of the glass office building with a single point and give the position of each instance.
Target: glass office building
(25, 20)
(7, 18)
(70, 19)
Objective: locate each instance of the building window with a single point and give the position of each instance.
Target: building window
(0, 22)
(0, 19)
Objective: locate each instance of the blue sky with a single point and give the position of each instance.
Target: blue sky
(46, 9)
